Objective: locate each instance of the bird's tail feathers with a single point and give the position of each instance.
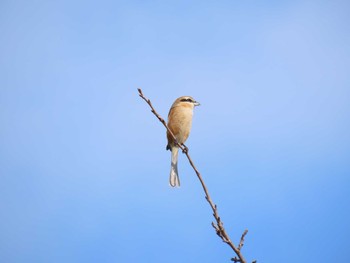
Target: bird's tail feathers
(174, 176)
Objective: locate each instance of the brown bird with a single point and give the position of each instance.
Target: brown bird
(179, 122)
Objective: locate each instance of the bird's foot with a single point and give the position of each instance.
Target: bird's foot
(185, 148)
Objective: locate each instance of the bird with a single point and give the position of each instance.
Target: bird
(180, 123)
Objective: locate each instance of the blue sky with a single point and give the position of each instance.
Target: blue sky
(83, 166)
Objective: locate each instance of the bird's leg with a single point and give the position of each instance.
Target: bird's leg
(185, 149)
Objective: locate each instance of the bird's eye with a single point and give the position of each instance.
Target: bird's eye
(189, 100)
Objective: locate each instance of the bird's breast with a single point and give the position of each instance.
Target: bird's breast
(180, 122)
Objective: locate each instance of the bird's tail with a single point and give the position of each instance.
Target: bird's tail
(174, 176)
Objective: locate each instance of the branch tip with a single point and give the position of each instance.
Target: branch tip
(241, 242)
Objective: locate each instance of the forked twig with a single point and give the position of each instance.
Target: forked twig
(219, 225)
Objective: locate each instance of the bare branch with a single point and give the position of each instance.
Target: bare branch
(219, 226)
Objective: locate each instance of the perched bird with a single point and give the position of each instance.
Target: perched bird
(179, 122)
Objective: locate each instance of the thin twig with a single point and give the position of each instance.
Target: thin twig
(219, 225)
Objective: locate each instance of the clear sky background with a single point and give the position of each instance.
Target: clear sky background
(83, 167)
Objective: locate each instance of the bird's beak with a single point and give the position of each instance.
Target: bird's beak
(196, 103)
